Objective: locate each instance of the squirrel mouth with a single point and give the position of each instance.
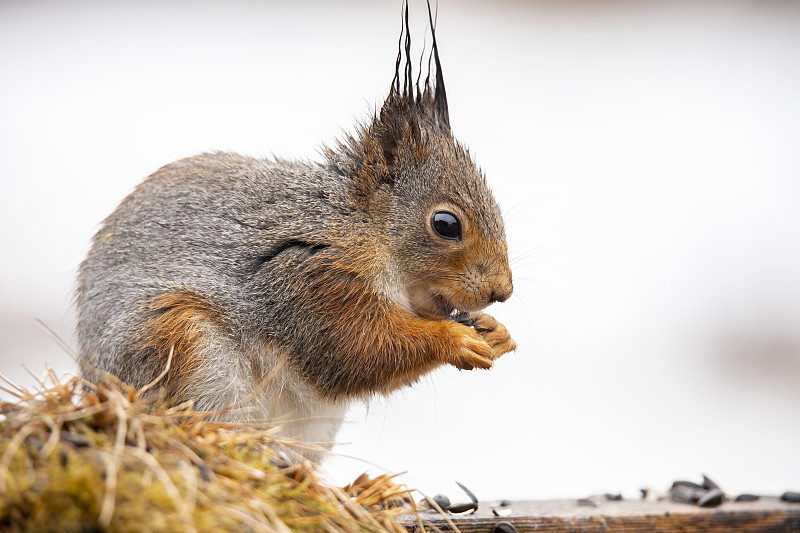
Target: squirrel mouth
(435, 307)
(443, 307)
(429, 303)
(438, 307)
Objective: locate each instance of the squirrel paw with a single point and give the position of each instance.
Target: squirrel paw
(494, 333)
(475, 352)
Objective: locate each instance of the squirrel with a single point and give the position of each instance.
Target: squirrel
(269, 288)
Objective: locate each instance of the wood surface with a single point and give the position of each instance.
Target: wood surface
(765, 515)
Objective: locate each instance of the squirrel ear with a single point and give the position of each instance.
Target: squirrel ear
(389, 144)
(404, 113)
(397, 125)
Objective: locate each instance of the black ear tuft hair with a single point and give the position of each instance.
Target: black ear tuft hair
(439, 94)
(431, 100)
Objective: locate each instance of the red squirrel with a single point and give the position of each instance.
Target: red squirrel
(266, 288)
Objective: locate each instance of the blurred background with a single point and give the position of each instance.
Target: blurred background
(646, 155)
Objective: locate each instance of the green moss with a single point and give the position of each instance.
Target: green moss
(107, 462)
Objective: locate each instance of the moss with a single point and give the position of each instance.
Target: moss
(105, 461)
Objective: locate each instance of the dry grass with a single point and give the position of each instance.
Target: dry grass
(106, 461)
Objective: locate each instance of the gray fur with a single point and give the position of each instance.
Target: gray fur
(200, 224)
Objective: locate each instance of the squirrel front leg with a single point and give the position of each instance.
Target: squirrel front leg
(362, 344)
(349, 339)
(404, 347)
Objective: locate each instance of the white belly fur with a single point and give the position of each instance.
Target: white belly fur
(261, 387)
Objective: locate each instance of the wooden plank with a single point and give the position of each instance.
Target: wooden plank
(765, 515)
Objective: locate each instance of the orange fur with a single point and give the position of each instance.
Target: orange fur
(369, 344)
(181, 326)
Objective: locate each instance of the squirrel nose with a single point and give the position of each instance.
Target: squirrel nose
(501, 294)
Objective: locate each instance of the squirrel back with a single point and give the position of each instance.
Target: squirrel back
(274, 288)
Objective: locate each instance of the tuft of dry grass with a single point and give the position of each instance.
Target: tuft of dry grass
(107, 461)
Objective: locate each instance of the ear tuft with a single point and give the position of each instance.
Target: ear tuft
(440, 108)
(397, 131)
(432, 101)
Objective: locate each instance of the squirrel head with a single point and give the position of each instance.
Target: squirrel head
(441, 228)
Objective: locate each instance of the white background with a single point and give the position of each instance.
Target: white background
(646, 155)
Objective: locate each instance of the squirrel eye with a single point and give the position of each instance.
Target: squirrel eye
(446, 225)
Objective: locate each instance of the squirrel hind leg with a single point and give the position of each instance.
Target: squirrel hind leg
(172, 351)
